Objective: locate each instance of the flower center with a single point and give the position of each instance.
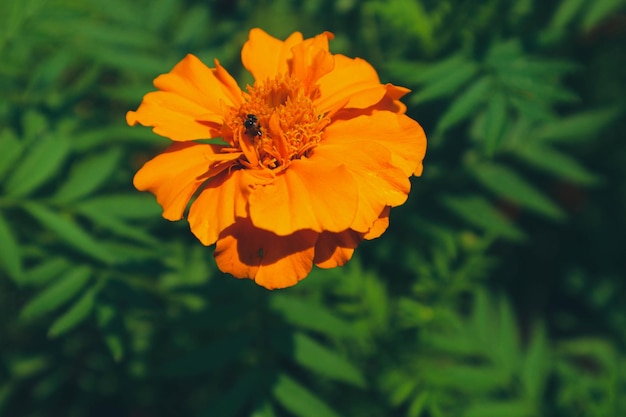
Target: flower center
(277, 123)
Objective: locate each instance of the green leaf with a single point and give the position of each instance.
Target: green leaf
(88, 175)
(468, 379)
(465, 104)
(10, 150)
(598, 10)
(210, 358)
(534, 370)
(538, 88)
(566, 12)
(57, 293)
(495, 121)
(123, 206)
(310, 316)
(420, 73)
(554, 162)
(505, 340)
(231, 402)
(10, 252)
(299, 400)
(75, 315)
(115, 345)
(507, 184)
(480, 213)
(318, 358)
(38, 166)
(447, 83)
(514, 408)
(70, 232)
(581, 126)
(45, 271)
(119, 227)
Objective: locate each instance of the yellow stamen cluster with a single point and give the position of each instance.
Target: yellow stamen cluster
(286, 124)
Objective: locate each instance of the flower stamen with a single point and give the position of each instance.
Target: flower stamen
(277, 123)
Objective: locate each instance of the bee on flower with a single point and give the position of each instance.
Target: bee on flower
(317, 152)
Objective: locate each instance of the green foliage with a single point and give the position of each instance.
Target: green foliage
(497, 290)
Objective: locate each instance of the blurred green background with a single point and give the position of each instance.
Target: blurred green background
(498, 290)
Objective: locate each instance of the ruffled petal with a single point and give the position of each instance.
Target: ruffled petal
(311, 194)
(191, 101)
(221, 201)
(174, 175)
(401, 135)
(266, 56)
(312, 60)
(379, 226)
(335, 249)
(272, 261)
(353, 83)
(379, 182)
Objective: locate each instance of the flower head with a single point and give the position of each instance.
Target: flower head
(317, 152)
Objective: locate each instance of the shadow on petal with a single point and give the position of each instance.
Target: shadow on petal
(272, 261)
(335, 249)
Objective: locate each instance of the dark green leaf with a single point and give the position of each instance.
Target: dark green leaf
(88, 175)
(534, 370)
(505, 340)
(419, 73)
(581, 126)
(119, 227)
(598, 10)
(123, 206)
(446, 84)
(310, 316)
(231, 402)
(10, 252)
(514, 408)
(299, 400)
(45, 271)
(495, 121)
(209, 359)
(115, 345)
(509, 185)
(10, 150)
(38, 166)
(70, 232)
(469, 379)
(57, 293)
(309, 353)
(75, 315)
(118, 134)
(538, 88)
(554, 162)
(480, 213)
(465, 104)
(566, 12)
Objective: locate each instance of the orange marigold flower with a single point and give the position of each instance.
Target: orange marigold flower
(317, 152)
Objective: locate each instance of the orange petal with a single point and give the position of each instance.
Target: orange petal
(401, 135)
(265, 56)
(190, 103)
(335, 249)
(312, 60)
(218, 205)
(272, 261)
(310, 194)
(353, 83)
(379, 226)
(174, 175)
(379, 182)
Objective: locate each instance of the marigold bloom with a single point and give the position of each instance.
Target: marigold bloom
(317, 152)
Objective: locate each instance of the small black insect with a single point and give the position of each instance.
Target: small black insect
(252, 126)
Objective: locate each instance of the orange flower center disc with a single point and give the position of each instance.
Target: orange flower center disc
(277, 123)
